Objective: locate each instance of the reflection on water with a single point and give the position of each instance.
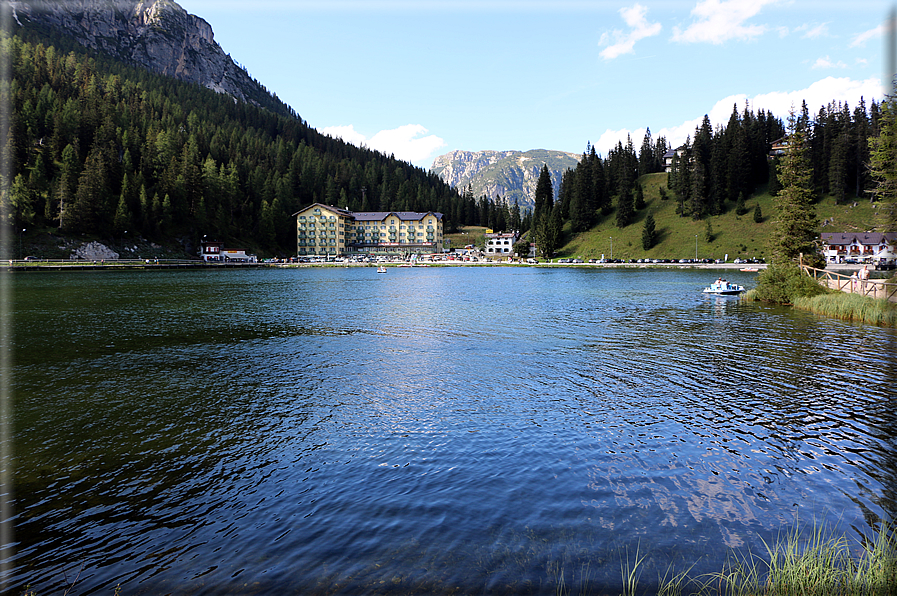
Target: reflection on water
(429, 430)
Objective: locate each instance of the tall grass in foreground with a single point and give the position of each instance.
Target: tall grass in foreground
(851, 307)
(842, 305)
(818, 564)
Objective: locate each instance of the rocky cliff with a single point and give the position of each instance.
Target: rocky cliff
(156, 34)
(511, 175)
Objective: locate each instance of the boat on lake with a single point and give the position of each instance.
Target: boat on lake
(722, 287)
(381, 269)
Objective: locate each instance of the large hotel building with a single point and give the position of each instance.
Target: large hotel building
(324, 230)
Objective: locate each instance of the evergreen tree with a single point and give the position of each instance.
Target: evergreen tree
(544, 198)
(624, 210)
(548, 232)
(838, 166)
(646, 155)
(796, 217)
(88, 210)
(649, 233)
(22, 199)
(516, 221)
(639, 202)
(758, 214)
(122, 220)
(740, 209)
(774, 184)
(883, 162)
(708, 232)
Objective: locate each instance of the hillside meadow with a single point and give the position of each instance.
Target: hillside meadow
(737, 236)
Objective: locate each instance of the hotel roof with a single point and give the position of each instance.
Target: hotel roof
(866, 238)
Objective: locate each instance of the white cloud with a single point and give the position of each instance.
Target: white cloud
(625, 42)
(720, 20)
(861, 39)
(814, 32)
(826, 62)
(778, 103)
(405, 141)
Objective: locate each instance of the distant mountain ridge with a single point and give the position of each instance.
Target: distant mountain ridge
(156, 34)
(511, 175)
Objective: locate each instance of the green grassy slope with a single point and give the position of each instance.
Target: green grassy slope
(737, 236)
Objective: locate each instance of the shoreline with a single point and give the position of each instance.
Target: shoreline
(169, 264)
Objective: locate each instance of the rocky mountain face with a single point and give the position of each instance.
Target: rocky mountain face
(156, 34)
(511, 175)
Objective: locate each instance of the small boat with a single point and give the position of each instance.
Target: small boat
(750, 269)
(381, 269)
(722, 287)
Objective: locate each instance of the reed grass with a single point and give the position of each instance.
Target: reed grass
(817, 563)
(851, 307)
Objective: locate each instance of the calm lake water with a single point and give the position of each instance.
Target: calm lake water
(440, 430)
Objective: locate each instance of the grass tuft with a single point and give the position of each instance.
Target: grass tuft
(851, 307)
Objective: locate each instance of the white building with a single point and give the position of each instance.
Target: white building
(500, 245)
(859, 246)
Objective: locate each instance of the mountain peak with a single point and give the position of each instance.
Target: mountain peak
(156, 34)
(510, 175)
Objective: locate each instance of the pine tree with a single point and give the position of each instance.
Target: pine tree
(796, 217)
(646, 155)
(758, 214)
(544, 198)
(639, 202)
(22, 199)
(548, 232)
(624, 210)
(740, 209)
(649, 233)
(708, 232)
(122, 220)
(775, 185)
(883, 162)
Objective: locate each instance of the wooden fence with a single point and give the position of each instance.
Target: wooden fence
(872, 288)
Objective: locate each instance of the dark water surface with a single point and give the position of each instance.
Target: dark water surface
(471, 431)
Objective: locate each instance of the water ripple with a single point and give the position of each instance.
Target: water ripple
(332, 431)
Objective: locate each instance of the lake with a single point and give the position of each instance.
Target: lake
(430, 430)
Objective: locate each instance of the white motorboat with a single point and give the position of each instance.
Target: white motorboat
(722, 287)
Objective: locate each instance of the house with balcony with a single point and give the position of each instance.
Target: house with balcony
(859, 247)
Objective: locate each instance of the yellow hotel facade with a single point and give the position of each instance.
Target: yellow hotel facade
(323, 230)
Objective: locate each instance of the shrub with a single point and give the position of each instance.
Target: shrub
(782, 283)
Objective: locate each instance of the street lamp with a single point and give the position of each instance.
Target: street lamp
(696, 248)
(611, 248)
(21, 254)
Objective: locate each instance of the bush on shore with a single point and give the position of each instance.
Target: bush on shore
(783, 283)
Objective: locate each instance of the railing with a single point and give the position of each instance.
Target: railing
(872, 288)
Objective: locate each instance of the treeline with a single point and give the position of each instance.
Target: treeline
(102, 148)
(718, 169)
(715, 171)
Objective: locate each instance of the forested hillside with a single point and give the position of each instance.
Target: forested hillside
(100, 148)
(714, 172)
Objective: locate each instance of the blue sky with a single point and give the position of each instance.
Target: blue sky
(420, 78)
